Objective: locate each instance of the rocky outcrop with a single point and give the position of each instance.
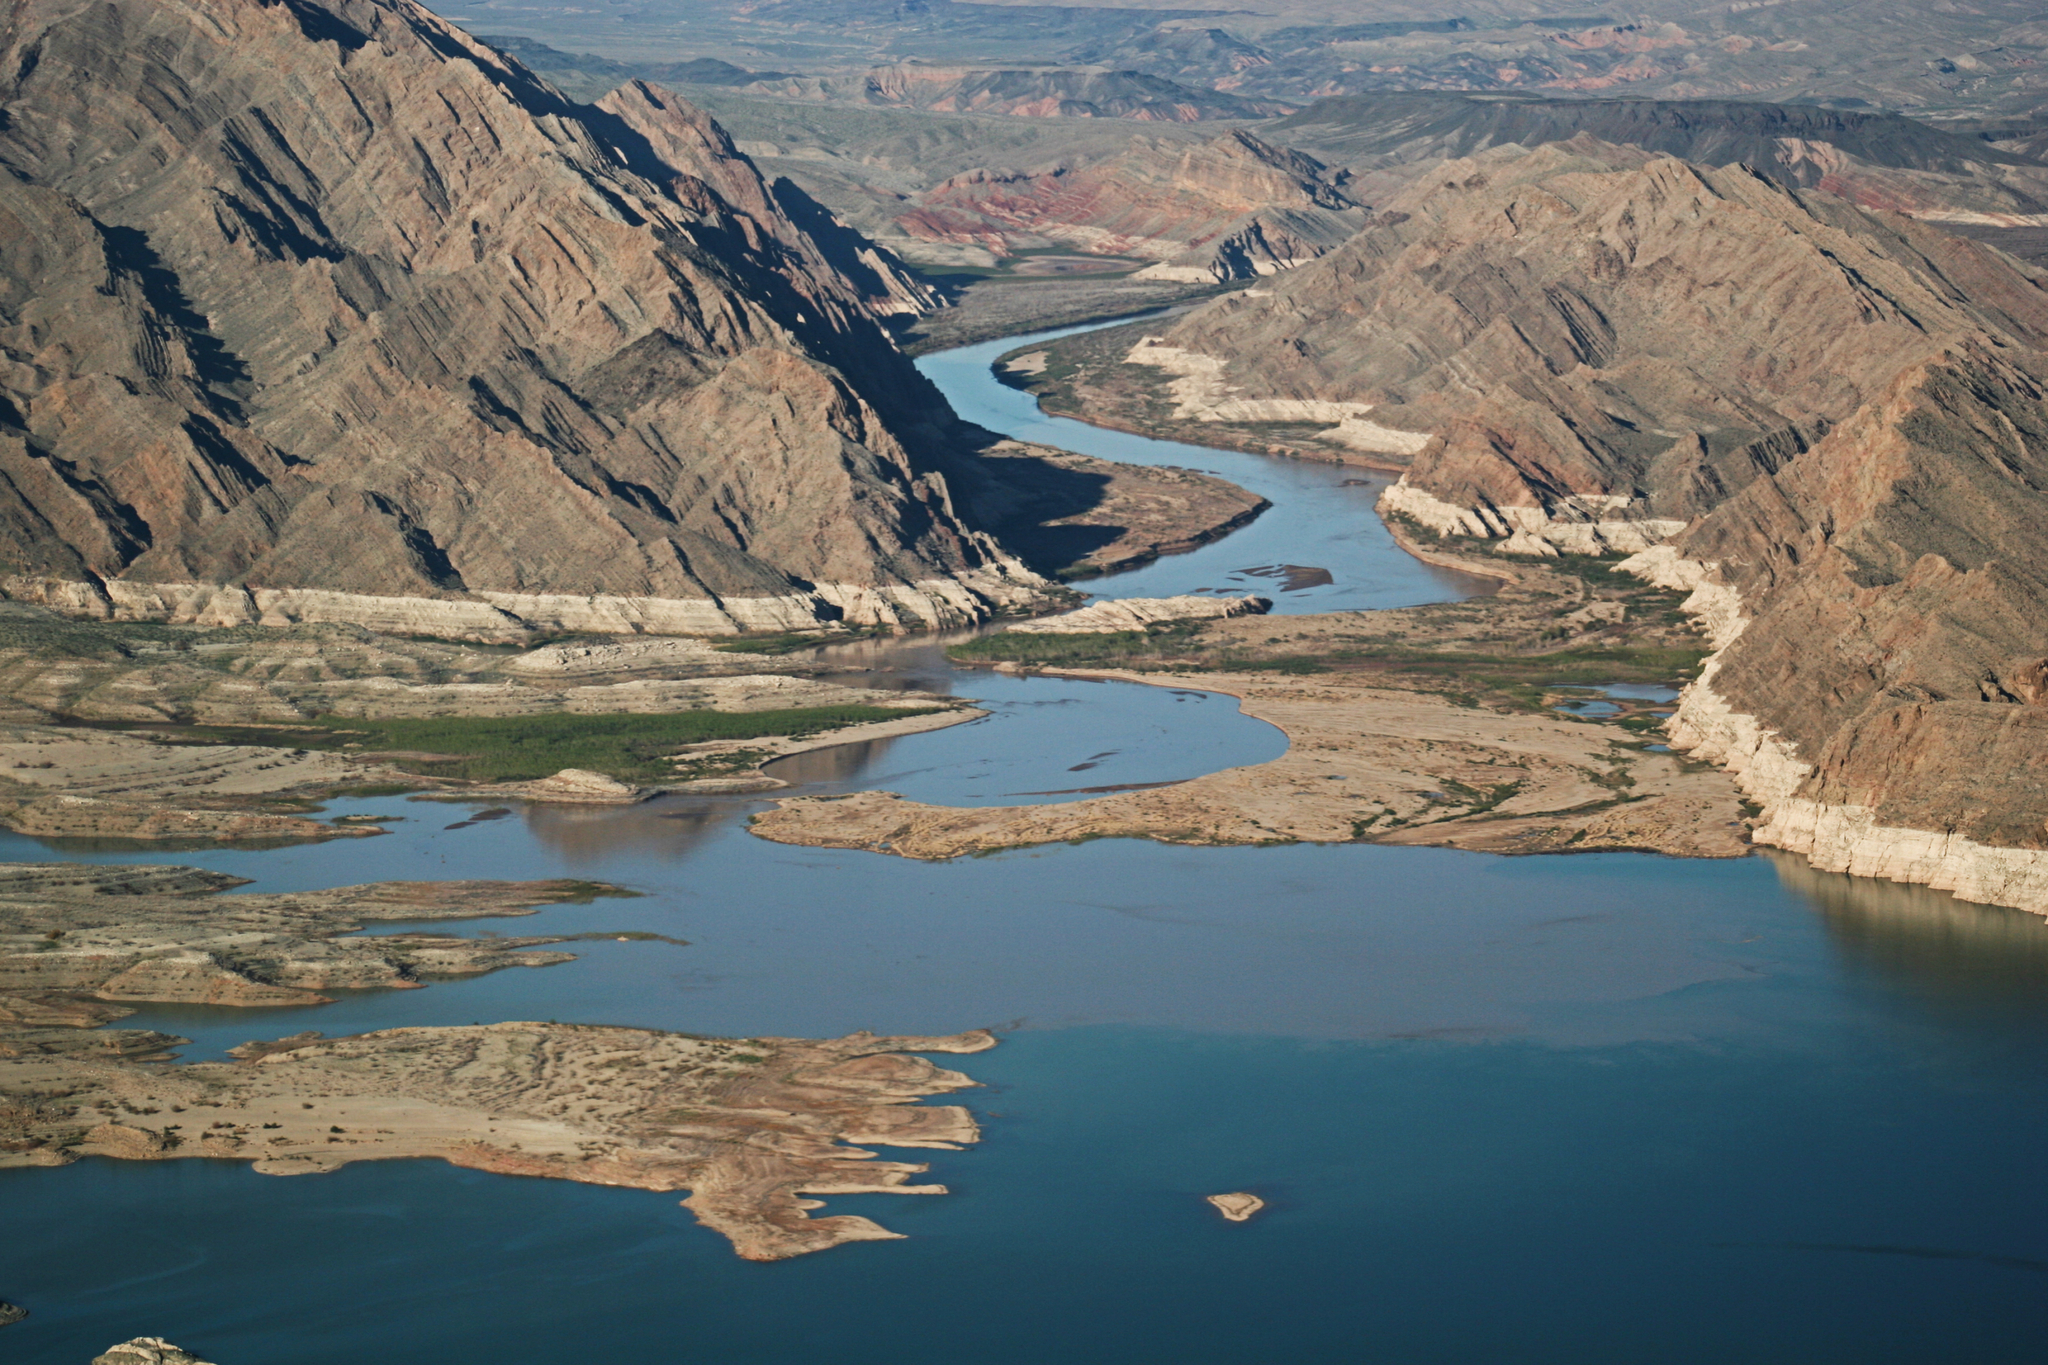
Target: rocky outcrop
(753, 1128)
(1881, 615)
(1237, 1207)
(146, 1351)
(325, 311)
(1234, 207)
(166, 934)
(1585, 347)
(1136, 613)
(11, 1313)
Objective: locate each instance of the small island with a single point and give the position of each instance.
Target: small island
(1238, 1206)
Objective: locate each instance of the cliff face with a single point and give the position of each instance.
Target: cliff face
(1588, 346)
(1882, 607)
(321, 309)
(1229, 208)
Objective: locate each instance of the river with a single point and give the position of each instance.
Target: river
(1604, 1108)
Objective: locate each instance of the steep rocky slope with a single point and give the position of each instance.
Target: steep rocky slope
(1587, 346)
(322, 309)
(1841, 417)
(1881, 604)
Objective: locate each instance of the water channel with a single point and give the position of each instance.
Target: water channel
(1604, 1108)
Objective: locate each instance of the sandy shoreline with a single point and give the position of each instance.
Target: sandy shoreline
(1364, 764)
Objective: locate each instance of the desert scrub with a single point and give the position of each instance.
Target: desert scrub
(1166, 640)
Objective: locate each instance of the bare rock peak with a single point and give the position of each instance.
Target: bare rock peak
(330, 301)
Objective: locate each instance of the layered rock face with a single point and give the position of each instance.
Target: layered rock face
(319, 309)
(1881, 604)
(1233, 207)
(1587, 346)
(1841, 417)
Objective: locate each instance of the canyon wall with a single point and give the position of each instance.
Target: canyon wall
(321, 309)
(1584, 347)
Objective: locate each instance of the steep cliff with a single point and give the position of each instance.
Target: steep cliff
(1881, 607)
(320, 309)
(1587, 346)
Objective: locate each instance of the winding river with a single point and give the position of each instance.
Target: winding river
(1604, 1108)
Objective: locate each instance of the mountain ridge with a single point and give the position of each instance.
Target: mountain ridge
(401, 335)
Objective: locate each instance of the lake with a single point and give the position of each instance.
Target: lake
(1599, 1109)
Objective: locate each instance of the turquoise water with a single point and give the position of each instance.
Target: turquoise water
(1322, 515)
(1597, 1110)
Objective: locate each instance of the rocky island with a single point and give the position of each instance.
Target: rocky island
(749, 1126)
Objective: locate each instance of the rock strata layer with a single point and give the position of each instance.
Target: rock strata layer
(1234, 207)
(1881, 611)
(326, 311)
(1135, 613)
(1585, 347)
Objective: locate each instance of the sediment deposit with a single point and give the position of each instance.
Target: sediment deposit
(749, 1126)
(165, 933)
(1364, 763)
(1135, 613)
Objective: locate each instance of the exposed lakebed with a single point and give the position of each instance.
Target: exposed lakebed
(1603, 1108)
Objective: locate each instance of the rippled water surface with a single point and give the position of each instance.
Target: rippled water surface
(1610, 1108)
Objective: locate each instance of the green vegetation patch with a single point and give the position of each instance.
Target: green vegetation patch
(632, 748)
(1102, 649)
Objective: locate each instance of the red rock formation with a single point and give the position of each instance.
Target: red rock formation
(1228, 208)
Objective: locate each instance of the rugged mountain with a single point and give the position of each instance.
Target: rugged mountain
(1881, 607)
(1428, 126)
(1590, 346)
(588, 76)
(1878, 160)
(1228, 208)
(1032, 92)
(323, 309)
(1837, 419)
(1946, 59)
